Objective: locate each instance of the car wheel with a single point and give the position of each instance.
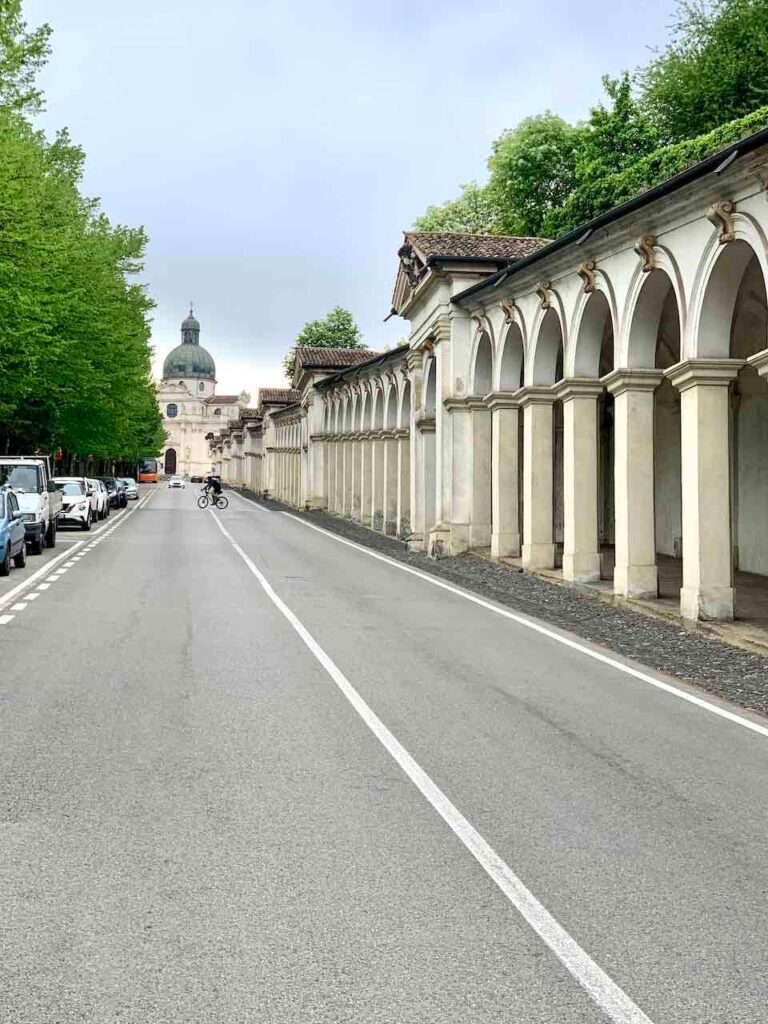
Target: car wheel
(51, 535)
(20, 560)
(5, 565)
(87, 524)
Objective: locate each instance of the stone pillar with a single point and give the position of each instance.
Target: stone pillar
(377, 483)
(505, 499)
(635, 573)
(366, 485)
(480, 514)
(459, 438)
(354, 510)
(403, 528)
(391, 478)
(704, 386)
(348, 473)
(538, 544)
(581, 554)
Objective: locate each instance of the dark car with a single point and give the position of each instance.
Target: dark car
(116, 493)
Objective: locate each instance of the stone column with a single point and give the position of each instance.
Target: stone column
(538, 544)
(366, 485)
(403, 527)
(348, 473)
(581, 554)
(480, 516)
(459, 439)
(377, 482)
(391, 478)
(505, 499)
(704, 386)
(635, 573)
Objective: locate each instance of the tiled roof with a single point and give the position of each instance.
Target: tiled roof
(332, 358)
(279, 396)
(223, 399)
(434, 244)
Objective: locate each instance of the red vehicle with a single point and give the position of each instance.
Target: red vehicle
(147, 471)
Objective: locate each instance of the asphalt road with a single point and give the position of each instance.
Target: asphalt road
(252, 773)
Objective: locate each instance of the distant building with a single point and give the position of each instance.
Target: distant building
(189, 405)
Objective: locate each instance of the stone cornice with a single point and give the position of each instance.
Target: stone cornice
(426, 425)
(629, 379)
(536, 395)
(703, 372)
(577, 387)
(760, 362)
(503, 400)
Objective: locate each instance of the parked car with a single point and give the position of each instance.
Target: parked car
(87, 485)
(30, 479)
(115, 493)
(122, 494)
(13, 542)
(196, 479)
(131, 487)
(77, 503)
(102, 498)
(177, 481)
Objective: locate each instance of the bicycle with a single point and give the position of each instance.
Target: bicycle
(217, 500)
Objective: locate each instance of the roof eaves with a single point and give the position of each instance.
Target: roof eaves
(349, 371)
(677, 181)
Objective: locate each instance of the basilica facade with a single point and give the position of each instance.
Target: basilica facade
(190, 407)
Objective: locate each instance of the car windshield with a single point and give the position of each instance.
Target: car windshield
(109, 484)
(128, 480)
(69, 487)
(20, 478)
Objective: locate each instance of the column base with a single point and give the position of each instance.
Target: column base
(480, 535)
(504, 544)
(415, 541)
(715, 603)
(582, 567)
(443, 540)
(538, 556)
(638, 581)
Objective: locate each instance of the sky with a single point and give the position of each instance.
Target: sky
(276, 151)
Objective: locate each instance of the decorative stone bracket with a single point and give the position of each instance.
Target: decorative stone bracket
(721, 215)
(644, 247)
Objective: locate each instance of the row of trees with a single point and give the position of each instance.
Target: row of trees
(709, 86)
(74, 325)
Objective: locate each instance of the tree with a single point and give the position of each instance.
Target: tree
(336, 330)
(532, 171)
(473, 212)
(22, 54)
(714, 69)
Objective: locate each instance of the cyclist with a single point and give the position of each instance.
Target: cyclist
(213, 484)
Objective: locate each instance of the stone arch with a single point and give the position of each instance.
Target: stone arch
(404, 410)
(512, 360)
(390, 406)
(651, 297)
(482, 365)
(591, 353)
(377, 408)
(430, 387)
(719, 288)
(546, 356)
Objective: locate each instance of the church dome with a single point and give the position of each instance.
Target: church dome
(189, 359)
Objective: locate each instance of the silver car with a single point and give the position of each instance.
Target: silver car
(131, 487)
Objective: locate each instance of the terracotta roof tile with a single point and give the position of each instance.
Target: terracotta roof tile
(223, 399)
(314, 358)
(434, 244)
(278, 396)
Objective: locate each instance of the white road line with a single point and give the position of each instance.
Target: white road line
(611, 999)
(18, 607)
(4, 619)
(52, 579)
(249, 503)
(32, 597)
(521, 620)
(44, 586)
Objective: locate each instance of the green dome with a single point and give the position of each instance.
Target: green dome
(189, 361)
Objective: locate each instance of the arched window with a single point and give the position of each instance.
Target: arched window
(171, 410)
(201, 386)
(217, 412)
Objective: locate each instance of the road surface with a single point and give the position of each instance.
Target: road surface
(250, 772)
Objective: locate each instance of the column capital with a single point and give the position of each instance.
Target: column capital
(535, 395)
(631, 379)
(760, 362)
(578, 387)
(452, 404)
(503, 400)
(707, 372)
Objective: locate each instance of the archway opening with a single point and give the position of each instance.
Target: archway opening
(548, 370)
(481, 454)
(404, 465)
(170, 461)
(507, 511)
(430, 454)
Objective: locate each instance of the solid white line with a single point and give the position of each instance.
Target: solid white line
(536, 627)
(251, 504)
(611, 999)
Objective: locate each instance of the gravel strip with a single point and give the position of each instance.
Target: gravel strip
(730, 672)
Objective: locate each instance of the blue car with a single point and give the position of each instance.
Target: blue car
(13, 546)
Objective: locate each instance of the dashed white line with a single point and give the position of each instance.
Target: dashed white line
(43, 586)
(32, 597)
(611, 999)
(18, 607)
(4, 619)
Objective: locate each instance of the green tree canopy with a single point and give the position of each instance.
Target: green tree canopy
(335, 330)
(714, 69)
(474, 212)
(74, 328)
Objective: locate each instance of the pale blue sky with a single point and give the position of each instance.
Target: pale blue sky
(275, 151)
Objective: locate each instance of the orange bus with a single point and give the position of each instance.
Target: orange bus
(147, 473)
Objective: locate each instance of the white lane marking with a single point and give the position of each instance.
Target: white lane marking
(4, 619)
(636, 673)
(68, 565)
(52, 579)
(18, 607)
(611, 999)
(43, 586)
(249, 503)
(32, 597)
